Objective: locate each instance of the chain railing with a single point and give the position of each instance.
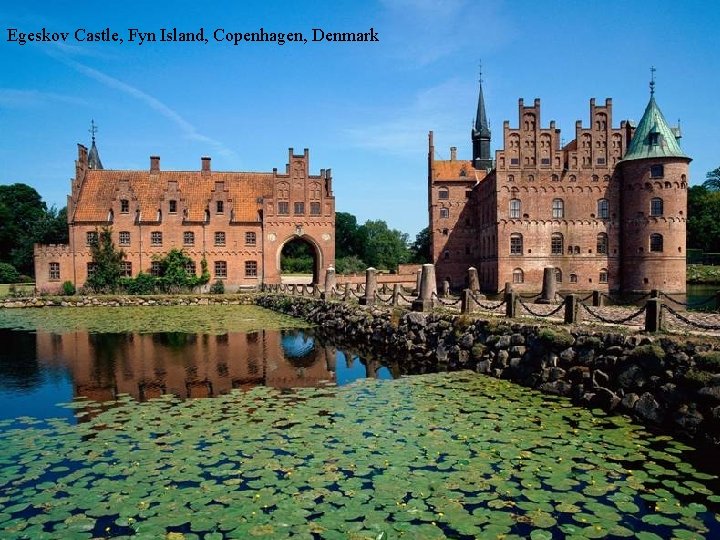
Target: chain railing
(479, 303)
(607, 320)
(689, 304)
(536, 314)
(695, 324)
(446, 302)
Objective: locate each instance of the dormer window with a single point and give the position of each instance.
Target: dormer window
(124, 206)
(220, 207)
(654, 138)
(172, 207)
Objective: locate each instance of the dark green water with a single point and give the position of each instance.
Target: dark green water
(296, 439)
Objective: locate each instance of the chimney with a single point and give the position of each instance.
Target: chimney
(453, 153)
(205, 164)
(154, 163)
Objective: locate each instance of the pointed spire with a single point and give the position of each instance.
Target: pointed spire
(481, 134)
(93, 156)
(482, 128)
(652, 81)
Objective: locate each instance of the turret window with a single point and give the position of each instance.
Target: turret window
(603, 209)
(602, 244)
(518, 276)
(516, 244)
(656, 207)
(657, 171)
(443, 194)
(656, 242)
(515, 208)
(558, 208)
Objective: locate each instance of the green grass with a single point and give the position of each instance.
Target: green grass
(27, 288)
(701, 273)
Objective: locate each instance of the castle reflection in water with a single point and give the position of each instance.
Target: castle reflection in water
(190, 365)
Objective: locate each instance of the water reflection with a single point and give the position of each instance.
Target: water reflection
(101, 366)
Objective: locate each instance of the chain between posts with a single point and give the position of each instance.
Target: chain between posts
(553, 312)
(691, 322)
(611, 321)
(386, 301)
(586, 298)
(446, 302)
(485, 306)
(688, 304)
(409, 300)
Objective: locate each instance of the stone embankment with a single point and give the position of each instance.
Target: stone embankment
(159, 300)
(661, 380)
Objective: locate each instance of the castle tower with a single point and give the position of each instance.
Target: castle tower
(481, 136)
(93, 155)
(654, 174)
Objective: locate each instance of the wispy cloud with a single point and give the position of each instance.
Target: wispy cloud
(405, 130)
(11, 98)
(155, 104)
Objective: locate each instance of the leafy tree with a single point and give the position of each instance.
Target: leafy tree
(107, 261)
(347, 240)
(703, 226)
(174, 276)
(297, 258)
(8, 273)
(52, 228)
(420, 248)
(712, 180)
(350, 265)
(383, 248)
(21, 208)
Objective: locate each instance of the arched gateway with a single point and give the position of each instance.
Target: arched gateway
(235, 222)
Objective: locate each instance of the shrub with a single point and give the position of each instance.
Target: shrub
(557, 339)
(68, 289)
(218, 287)
(8, 273)
(350, 265)
(141, 284)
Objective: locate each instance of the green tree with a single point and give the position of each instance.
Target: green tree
(21, 209)
(8, 273)
(712, 180)
(420, 248)
(703, 226)
(107, 262)
(347, 239)
(383, 248)
(52, 227)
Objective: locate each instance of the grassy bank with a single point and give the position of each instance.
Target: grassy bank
(700, 273)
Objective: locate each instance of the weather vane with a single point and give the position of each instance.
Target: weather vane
(93, 129)
(652, 81)
(480, 70)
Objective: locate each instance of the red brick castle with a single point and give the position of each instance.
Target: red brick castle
(607, 210)
(238, 222)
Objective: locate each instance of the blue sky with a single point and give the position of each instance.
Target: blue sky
(363, 109)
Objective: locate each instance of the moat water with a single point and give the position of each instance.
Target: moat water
(273, 434)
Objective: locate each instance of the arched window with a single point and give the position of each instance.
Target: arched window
(602, 244)
(555, 178)
(443, 193)
(511, 177)
(558, 208)
(558, 275)
(516, 244)
(656, 242)
(656, 206)
(518, 276)
(514, 208)
(444, 213)
(556, 244)
(603, 209)
(595, 178)
(603, 275)
(573, 278)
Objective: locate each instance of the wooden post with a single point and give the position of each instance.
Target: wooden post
(653, 312)
(571, 309)
(346, 292)
(370, 288)
(510, 301)
(330, 284)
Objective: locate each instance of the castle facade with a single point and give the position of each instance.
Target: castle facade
(237, 222)
(607, 210)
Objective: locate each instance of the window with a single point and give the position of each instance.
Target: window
(573, 278)
(155, 268)
(656, 206)
(124, 206)
(603, 209)
(91, 268)
(444, 213)
(250, 239)
(558, 208)
(555, 178)
(299, 208)
(251, 269)
(190, 269)
(602, 244)
(220, 269)
(603, 275)
(156, 238)
(54, 271)
(657, 171)
(447, 254)
(518, 276)
(314, 208)
(558, 275)
(172, 207)
(556, 244)
(654, 138)
(656, 242)
(283, 208)
(219, 207)
(514, 208)
(443, 194)
(516, 244)
(126, 269)
(124, 238)
(91, 238)
(188, 238)
(219, 238)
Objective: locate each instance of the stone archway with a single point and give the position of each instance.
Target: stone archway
(310, 248)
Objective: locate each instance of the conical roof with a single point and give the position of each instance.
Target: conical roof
(653, 138)
(481, 127)
(94, 157)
